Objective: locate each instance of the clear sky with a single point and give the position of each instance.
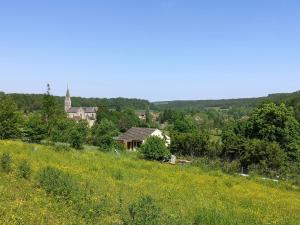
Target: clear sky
(152, 49)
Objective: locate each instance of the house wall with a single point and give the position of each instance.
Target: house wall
(159, 134)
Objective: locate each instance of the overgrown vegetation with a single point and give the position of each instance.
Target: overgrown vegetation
(92, 187)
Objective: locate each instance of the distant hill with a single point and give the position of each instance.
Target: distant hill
(228, 103)
(33, 102)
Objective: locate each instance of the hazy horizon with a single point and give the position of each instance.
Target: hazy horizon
(157, 50)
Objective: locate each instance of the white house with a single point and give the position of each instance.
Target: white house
(136, 136)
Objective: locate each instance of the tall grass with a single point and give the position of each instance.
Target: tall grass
(110, 186)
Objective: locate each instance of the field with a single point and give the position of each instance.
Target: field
(183, 194)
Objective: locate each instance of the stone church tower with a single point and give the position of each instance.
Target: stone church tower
(68, 102)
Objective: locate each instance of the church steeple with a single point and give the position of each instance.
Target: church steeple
(68, 102)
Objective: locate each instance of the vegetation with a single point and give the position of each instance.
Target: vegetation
(92, 187)
(82, 187)
(155, 149)
(24, 170)
(34, 102)
(5, 162)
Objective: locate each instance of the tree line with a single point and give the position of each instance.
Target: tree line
(49, 123)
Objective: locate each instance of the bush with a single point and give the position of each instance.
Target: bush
(191, 144)
(6, 162)
(58, 183)
(144, 212)
(24, 170)
(155, 149)
(231, 167)
(78, 135)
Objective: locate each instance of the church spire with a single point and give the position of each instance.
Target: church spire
(68, 102)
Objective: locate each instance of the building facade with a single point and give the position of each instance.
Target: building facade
(87, 114)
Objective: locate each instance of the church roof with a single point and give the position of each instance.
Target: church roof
(136, 134)
(85, 109)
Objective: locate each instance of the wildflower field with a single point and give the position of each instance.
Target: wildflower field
(94, 187)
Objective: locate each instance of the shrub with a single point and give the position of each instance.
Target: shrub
(231, 167)
(191, 144)
(58, 183)
(144, 212)
(78, 135)
(6, 162)
(155, 149)
(24, 170)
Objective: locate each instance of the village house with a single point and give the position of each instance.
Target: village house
(87, 114)
(136, 136)
(143, 115)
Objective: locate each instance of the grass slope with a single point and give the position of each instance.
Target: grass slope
(185, 194)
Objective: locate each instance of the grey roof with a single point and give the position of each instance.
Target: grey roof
(85, 109)
(136, 134)
(90, 109)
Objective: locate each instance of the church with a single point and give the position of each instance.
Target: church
(87, 114)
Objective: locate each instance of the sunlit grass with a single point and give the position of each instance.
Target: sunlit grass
(185, 194)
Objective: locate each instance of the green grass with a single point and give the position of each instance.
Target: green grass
(109, 183)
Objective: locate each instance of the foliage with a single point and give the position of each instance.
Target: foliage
(51, 112)
(6, 162)
(57, 183)
(60, 131)
(78, 135)
(34, 102)
(190, 144)
(24, 170)
(275, 124)
(185, 125)
(128, 119)
(144, 212)
(233, 137)
(103, 134)
(154, 148)
(34, 129)
(268, 155)
(10, 119)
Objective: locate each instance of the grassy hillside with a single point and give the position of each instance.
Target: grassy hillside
(109, 183)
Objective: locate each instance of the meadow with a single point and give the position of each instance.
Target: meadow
(104, 187)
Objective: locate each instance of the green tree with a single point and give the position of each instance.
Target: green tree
(78, 135)
(275, 124)
(185, 125)
(268, 156)
(103, 134)
(10, 119)
(51, 111)
(155, 149)
(192, 144)
(128, 119)
(233, 137)
(34, 130)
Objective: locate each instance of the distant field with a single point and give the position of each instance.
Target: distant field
(185, 194)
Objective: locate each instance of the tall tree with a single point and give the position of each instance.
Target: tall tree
(10, 119)
(276, 123)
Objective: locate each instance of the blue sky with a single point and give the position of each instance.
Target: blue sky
(157, 50)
